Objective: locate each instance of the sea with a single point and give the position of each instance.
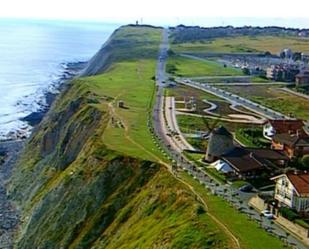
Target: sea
(33, 56)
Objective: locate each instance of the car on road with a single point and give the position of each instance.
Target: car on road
(246, 188)
(266, 213)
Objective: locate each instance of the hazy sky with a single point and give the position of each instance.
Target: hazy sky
(190, 11)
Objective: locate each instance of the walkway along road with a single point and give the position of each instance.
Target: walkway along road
(234, 197)
(171, 127)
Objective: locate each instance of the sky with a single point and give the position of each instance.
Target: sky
(191, 12)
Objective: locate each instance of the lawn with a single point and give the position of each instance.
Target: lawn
(198, 143)
(245, 44)
(252, 137)
(181, 91)
(274, 98)
(189, 124)
(194, 156)
(220, 177)
(250, 235)
(187, 67)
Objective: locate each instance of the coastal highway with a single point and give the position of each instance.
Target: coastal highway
(158, 118)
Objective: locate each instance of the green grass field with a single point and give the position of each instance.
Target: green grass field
(274, 98)
(191, 123)
(187, 67)
(252, 137)
(182, 91)
(245, 44)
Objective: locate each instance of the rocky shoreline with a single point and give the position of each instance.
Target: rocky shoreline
(9, 217)
(10, 149)
(70, 70)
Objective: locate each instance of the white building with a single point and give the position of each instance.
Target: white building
(222, 166)
(292, 190)
(269, 131)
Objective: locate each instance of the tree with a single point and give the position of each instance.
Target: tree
(282, 55)
(246, 71)
(170, 52)
(296, 56)
(305, 161)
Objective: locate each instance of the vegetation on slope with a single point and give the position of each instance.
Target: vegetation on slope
(248, 232)
(89, 176)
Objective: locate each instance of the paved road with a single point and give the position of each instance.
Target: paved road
(235, 99)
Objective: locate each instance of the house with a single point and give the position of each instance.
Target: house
(302, 79)
(251, 162)
(292, 190)
(282, 72)
(294, 145)
(286, 53)
(305, 57)
(280, 126)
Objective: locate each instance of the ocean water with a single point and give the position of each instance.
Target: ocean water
(33, 55)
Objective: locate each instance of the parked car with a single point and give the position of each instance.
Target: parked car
(268, 214)
(246, 188)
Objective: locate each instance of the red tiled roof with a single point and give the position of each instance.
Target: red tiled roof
(300, 181)
(284, 125)
(249, 159)
(292, 140)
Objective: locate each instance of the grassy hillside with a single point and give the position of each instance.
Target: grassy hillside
(249, 234)
(90, 176)
(245, 44)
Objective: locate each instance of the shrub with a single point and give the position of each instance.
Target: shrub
(171, 68)
(288, 213)
(305, 161)
(200, 210)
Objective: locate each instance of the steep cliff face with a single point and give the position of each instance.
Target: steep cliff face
(75, 191)
(120, 47)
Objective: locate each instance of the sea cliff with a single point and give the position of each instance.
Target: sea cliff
(90, 176)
